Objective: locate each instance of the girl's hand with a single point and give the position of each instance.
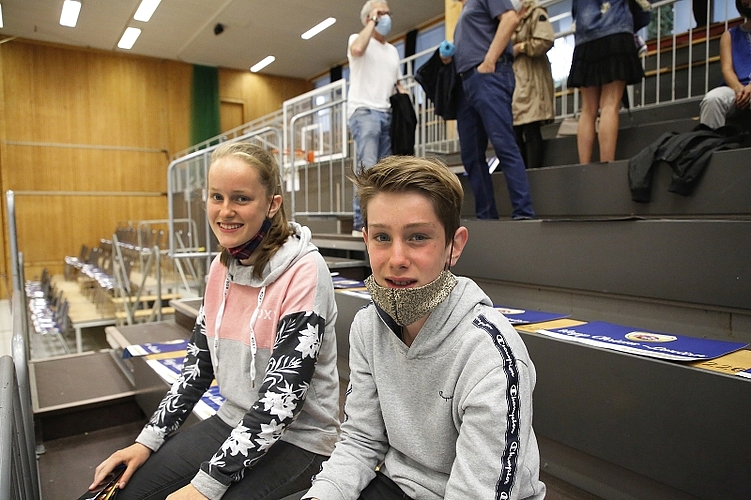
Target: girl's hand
(133, 457)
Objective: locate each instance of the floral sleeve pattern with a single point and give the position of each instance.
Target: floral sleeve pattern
(195, 378)
(281, 397)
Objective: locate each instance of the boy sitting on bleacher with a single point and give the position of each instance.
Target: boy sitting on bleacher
(440, 393)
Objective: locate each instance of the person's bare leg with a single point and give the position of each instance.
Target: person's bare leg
(585, 131)
(610, 104)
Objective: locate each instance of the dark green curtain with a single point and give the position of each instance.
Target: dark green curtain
(204, 106)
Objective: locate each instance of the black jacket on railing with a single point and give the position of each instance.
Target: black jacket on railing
(441, 84)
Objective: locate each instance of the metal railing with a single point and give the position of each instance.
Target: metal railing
(318, 119)
(272, 120)
(19, 473)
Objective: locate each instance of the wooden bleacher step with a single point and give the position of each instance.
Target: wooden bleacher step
(146, 298)
(144, 313)
(81, 393)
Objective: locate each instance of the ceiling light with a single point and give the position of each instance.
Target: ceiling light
(69, 16)
(1, 17)
(262, 64)
(129, 38)
(146, 10)
(318, 28)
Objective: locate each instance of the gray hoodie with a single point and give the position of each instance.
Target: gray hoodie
(450, 417)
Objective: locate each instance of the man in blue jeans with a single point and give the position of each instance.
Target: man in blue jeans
(483, 59)
(373, 75)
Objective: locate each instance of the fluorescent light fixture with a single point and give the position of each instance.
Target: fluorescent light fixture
(69, 16)
(262, 64)
(146, 10)
(129, 38)
(1, 17)
(318, 28)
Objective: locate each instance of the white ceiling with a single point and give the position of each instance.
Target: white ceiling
(183, 30)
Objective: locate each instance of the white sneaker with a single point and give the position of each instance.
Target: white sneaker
(641, 45)
(356, 233)
(493, 164)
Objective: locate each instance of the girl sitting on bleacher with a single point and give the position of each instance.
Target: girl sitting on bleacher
(265, 331)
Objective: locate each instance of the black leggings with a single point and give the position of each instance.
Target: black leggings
(529, 140)
(284, 470)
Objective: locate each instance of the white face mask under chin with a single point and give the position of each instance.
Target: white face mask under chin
(407, 305)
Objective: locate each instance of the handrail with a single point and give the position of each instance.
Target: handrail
(19, 349)
(7, 388)
(19, 475)
(13, 239)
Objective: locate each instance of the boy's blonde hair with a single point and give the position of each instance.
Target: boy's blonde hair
(427, 176)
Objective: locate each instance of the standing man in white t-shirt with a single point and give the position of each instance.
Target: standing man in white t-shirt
(373, 76)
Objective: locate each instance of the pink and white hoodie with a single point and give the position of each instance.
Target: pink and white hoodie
(271, 346)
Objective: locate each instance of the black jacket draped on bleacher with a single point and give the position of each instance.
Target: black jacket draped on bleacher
(687, 154)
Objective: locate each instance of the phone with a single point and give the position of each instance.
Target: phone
(107, 487)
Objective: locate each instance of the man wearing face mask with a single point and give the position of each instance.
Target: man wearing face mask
(440, 388)
(373, 76)
(734, 97)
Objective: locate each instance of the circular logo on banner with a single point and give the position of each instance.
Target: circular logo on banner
(650, 337)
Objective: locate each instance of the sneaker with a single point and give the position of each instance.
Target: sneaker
(357, 233)
(641, 45)
(522, 217)
(493, 164)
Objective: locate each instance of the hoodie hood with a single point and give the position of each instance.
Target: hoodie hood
(296, 246)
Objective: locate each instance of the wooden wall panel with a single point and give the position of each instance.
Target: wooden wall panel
(262, 94)
(77, 169)
(86, 137)
(80, 123)
(5, 270)
(76, 97)
(453, 9)
(178, 77)
(52, 226)
(233, 114)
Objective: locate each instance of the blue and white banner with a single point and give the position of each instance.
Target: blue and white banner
(155, 348)
(524, 317)
(168, 368)
(344, 283)
(644, 342)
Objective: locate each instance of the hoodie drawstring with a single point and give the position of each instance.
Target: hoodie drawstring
(253, 318)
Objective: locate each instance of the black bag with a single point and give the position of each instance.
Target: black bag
(107, 489)
(403, 125)
(641, 16)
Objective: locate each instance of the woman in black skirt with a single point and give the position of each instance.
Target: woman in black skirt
(605, 61)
